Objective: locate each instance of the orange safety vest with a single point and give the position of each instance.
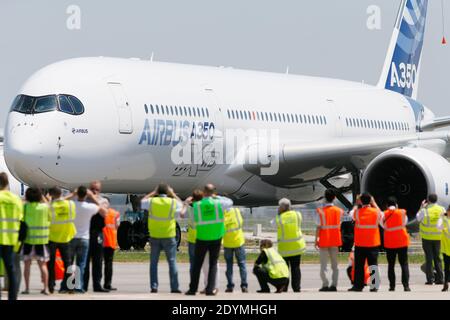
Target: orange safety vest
(366, 270)
(110, 231)
(367, 233)
(330, 226)
(395, 235)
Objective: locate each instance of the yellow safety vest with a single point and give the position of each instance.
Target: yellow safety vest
(11, 213)
(234, 235)
(192, 233)
(37, 217)
(445, 240)
(161, 217)
(428, 226)
(275, 266)
(290, 238)
(62, 224)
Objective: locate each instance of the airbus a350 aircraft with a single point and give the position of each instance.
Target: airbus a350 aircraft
(118, 120)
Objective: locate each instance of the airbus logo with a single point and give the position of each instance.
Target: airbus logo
(166, 132)
(75, 131)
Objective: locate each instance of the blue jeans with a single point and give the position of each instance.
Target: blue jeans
(240, 257)
(169, 245)
(80, 249)
(191, 251)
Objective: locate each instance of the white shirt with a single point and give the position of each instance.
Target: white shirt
(225, 202)
(85, 211)
(145, 204)
(421, 214)
(392, 208)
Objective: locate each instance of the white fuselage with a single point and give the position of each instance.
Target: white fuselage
(111, 142)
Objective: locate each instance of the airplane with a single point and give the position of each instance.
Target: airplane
(121, 121)
(15, 186)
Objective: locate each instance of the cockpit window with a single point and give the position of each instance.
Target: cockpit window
(76, 104)
(45, 104)
(63, 102)
(17, 102)
(27, 104)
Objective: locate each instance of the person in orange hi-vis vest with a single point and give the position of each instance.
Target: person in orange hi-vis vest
(396, 242)
(351, 269)
(367, 239)
(328, 239)
(112, 221)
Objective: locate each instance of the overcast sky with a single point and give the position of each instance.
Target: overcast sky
(322, 37)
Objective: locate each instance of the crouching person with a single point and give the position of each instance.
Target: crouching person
(270, 267)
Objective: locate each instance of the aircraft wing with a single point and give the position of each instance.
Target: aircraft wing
(435, 123)
(296, 157)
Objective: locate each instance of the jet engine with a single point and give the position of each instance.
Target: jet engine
(409, 174)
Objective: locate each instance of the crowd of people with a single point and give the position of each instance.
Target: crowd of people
(81, 229)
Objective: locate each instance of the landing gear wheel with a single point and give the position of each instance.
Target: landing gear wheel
(123, 235)
(139, 235)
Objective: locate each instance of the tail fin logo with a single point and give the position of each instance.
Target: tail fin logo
(409, 35)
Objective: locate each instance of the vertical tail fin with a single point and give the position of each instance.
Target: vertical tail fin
(402, 65)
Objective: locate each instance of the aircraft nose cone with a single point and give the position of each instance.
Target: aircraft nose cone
(24, 152)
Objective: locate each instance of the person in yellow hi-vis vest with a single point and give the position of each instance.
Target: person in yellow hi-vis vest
(445, 247)
(291, 244)
(11, 213)
(430, 218)
(163, 207)
(62, 231)
(233, 244)
(37, 217)
(270, 267)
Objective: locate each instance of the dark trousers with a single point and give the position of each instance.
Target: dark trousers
(446, 268)
(108, 255)
(7, 254)
(96, 257)
(201, 248)
(349, 274)
(66, 256)
(432, 249)
(391, 255)
(361, 255)
(296, 275)
(264, 279)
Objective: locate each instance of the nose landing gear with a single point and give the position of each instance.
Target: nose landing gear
(133, 229)
(347, 226)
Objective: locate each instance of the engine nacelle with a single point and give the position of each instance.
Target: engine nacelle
(409, 174)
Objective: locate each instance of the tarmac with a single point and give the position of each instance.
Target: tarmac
(132, 281)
